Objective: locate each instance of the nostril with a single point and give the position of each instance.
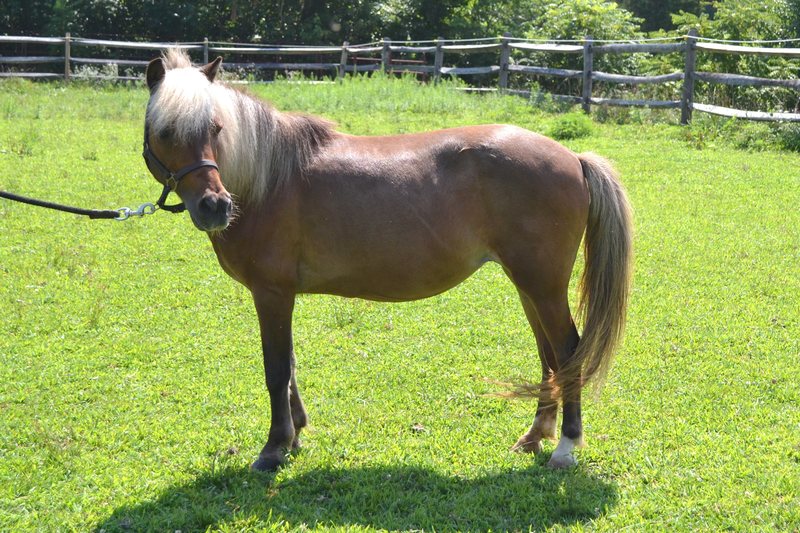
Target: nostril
(217, 205)
(227, 205)
(210, 203)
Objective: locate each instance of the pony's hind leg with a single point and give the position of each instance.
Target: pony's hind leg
(563, 336)
(544, 423)
(546, 291)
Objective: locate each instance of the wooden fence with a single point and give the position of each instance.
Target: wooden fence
(387, 55)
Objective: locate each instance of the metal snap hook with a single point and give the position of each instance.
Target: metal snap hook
(124, 213)
(145, 209)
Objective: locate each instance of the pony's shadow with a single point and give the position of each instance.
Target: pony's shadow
(382, 497)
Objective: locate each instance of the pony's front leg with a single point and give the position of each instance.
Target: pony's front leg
(274, 310)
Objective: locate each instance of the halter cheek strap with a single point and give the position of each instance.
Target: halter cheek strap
(171, 179)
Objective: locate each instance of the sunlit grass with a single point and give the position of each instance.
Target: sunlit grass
(132, 395)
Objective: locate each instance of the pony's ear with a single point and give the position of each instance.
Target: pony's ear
(211, 69)
(155, 73)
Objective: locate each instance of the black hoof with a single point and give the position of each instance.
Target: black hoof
(267, 464)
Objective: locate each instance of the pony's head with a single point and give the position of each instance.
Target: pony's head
(182, 127)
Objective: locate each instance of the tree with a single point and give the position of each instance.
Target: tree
(656, 14)
(598, 18)
(745, 20)
(740, 20)
(25, 17)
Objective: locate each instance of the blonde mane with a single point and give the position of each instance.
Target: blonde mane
(258, 149)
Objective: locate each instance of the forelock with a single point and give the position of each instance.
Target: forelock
(182, 102)
(176, 58)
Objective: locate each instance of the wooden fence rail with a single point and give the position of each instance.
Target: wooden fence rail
(384, 56)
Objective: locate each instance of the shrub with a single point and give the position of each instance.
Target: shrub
(573, 125)
(788, 136)
(709, 131)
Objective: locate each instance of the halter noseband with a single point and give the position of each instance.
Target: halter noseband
(171, 179)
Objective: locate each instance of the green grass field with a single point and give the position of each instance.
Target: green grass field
(132, 395)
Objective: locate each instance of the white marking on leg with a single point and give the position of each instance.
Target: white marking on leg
(565, 447)
(562, 456)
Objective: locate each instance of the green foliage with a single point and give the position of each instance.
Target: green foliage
(318, 22)
(656, 14)
(788, 136)
(598, 19)
(483, 18)
(744, 20)
(739, 20)
(25, 17)
(573, 125)
(578, 18)
(311, 21)
(716, 132)
(708, 131)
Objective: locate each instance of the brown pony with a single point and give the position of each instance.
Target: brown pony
(293, 206)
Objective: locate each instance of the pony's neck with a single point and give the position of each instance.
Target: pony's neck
(264, 149)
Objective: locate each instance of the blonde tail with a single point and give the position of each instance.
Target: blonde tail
(605, 285)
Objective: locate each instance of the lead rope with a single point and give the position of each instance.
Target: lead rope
(122, 213)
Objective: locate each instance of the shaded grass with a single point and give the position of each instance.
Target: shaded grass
(385, 497)
(131, 387)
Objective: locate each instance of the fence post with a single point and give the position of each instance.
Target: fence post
(687, 96)
(588, 61)
(343, 61)
(205, 50)
(386, 55)
(67, 70)
(438, 60)
(505, 55)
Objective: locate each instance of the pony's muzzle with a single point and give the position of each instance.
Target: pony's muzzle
(214, 211)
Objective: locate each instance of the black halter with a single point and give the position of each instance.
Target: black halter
(170, 179)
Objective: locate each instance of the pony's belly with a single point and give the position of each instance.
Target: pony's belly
(412, 280)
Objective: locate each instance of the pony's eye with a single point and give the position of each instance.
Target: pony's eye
(216, 127)
(165, 134)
